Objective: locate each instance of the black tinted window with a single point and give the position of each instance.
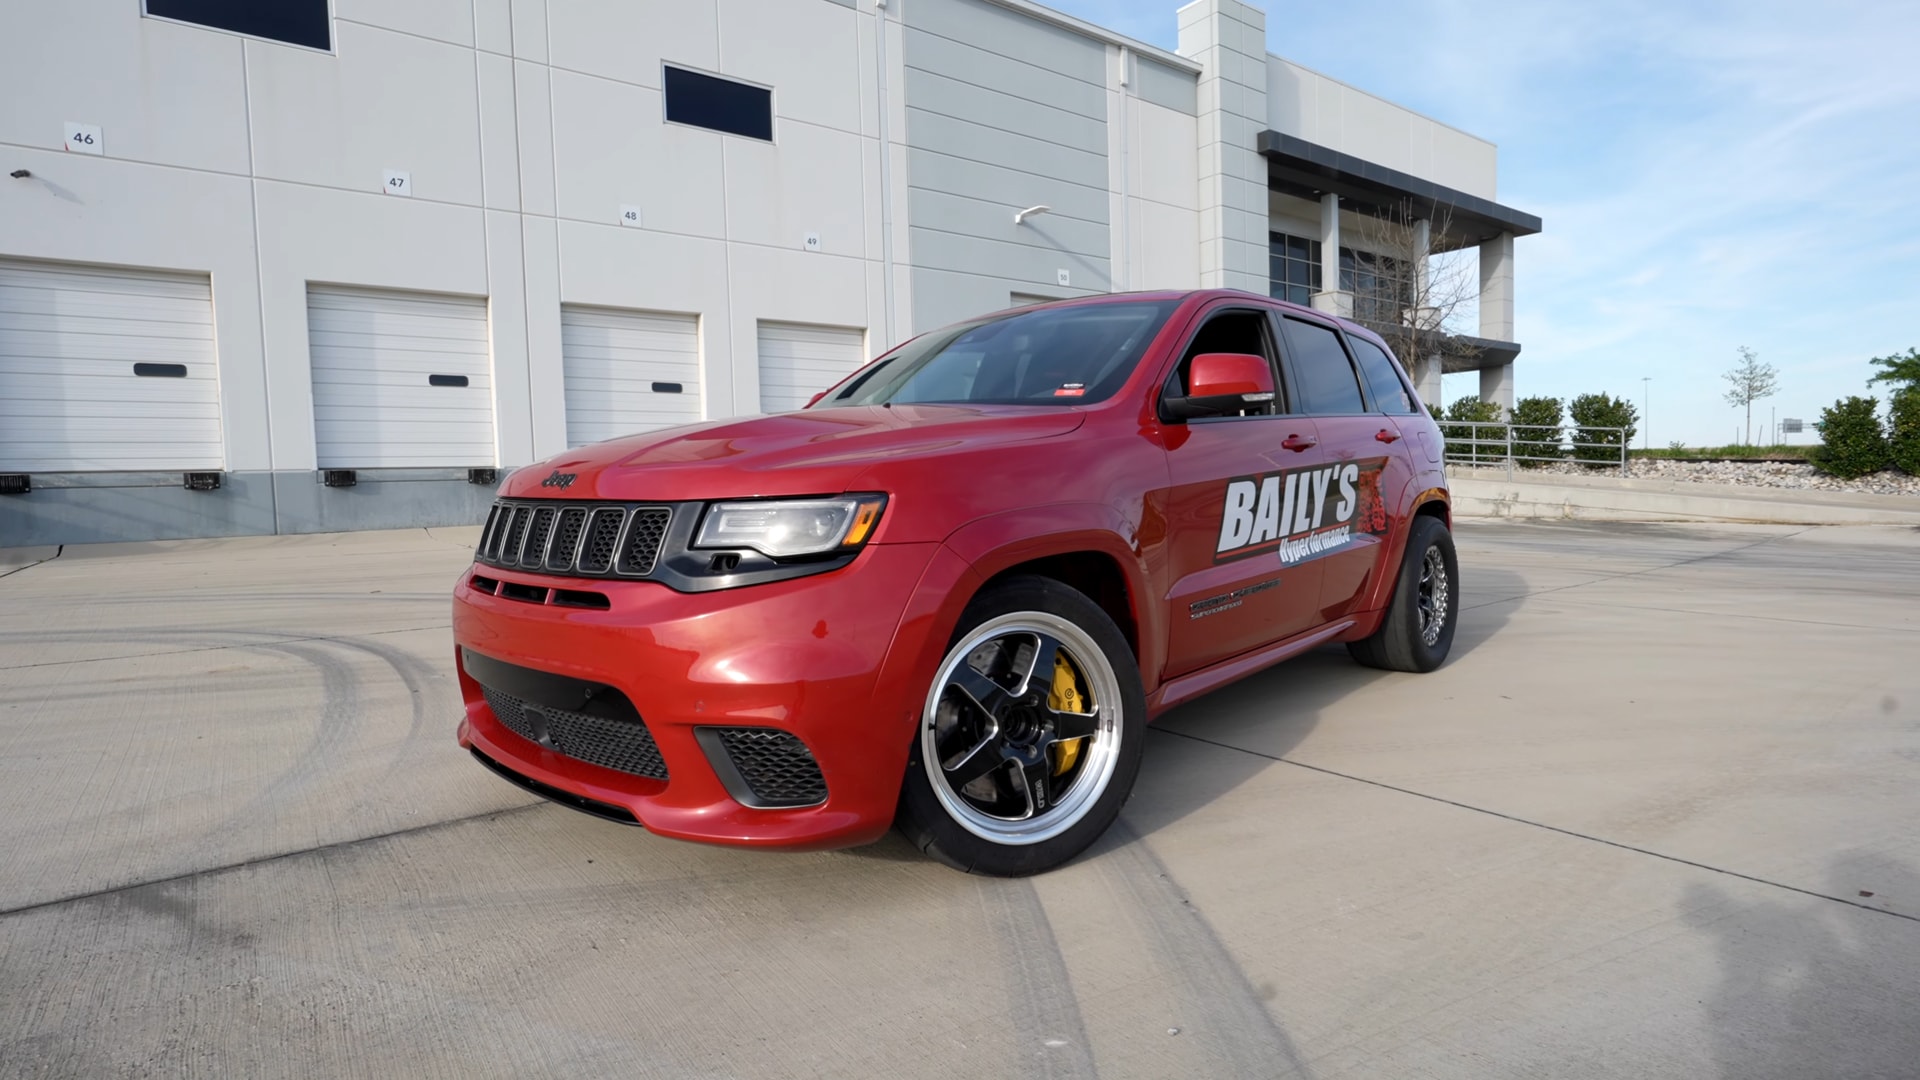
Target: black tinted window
(719, 104)
(296, 22)
(1326, 383)
(1052, 356)
(1389, 393)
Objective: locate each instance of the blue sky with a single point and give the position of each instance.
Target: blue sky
(1711, 174)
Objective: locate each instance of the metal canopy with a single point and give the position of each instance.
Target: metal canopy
(1308, 170)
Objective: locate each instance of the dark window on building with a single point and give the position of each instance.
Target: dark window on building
(719, 104)
(1293, 268)
(1382, 287)
(1322, 373)
(296, 22)
(1389, 393)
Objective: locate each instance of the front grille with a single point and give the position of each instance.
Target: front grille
(623, 745)
(776, 766)
(592, 540)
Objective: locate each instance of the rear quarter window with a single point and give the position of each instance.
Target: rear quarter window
(1390, 394)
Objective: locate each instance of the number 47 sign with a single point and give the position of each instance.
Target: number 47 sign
(395, 182)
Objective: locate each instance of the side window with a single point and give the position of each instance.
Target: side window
(1389, 392)
(1232, 332)
(1321, 370)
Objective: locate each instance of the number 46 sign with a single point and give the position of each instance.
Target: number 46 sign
(83, 138)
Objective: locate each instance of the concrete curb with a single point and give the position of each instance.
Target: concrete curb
(1490, 493)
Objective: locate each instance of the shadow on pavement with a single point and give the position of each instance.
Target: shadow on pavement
(1811, 988)
(1285, 703)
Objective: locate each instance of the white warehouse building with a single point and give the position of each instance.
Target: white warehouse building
(319, 265)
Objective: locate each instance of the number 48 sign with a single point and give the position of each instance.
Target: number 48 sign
(83, 138)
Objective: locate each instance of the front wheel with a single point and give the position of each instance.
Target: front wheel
(1417, 632)
(1030, 737)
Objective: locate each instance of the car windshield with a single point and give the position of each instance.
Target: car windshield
(1048, 356)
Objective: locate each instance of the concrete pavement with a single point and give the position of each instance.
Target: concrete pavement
(1655, 818)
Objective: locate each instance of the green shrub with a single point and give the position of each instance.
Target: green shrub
(1469, 441)
(1536, 430)
(1851, 442)
(1592, 412)
(1903, 430)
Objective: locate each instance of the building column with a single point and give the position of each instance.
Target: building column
(1496, 315)
(1426, 379)
(1331, 298)
(1229, 41)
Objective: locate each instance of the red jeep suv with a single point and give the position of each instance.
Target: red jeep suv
(951, 592)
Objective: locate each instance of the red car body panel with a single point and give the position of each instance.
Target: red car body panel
(843, 659)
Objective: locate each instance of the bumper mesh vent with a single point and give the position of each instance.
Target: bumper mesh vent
(548, 536)
(776, 766)
(623, 745)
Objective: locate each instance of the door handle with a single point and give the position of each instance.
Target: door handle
(1387, 435)
(1298, 443)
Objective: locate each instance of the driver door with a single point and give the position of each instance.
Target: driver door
(1232, 479)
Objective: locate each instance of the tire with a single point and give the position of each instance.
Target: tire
(1000, 781)
(1408, 639)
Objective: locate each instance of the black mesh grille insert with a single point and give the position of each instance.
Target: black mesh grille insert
(516, 531)
(596, 554)
(566, 539)
(643, 541)
(777, 767)
(537, 534)
(623, 745)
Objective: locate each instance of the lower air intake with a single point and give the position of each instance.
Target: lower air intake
(622, 745)
(771, 768)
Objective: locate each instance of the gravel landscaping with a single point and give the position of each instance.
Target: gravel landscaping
(1754, 474)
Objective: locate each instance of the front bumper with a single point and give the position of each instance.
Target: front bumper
(831, 659)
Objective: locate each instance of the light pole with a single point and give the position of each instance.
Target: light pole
(1646, 412)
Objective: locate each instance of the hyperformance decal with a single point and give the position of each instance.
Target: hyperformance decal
(1301, 513)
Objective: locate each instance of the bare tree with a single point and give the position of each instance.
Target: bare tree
(1751, 381)
(1416, 302)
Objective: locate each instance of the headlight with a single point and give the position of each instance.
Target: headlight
(785, 527)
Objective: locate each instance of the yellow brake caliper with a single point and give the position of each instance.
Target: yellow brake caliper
(1065, 697)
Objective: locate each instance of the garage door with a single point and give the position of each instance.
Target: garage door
(105, 369)
(628, 371)
(400, 379)
(798, 361)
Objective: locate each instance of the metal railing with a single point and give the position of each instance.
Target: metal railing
(1499, 444)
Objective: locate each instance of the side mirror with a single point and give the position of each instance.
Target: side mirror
(1222, 383)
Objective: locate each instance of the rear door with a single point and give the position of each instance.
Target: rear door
(1234, 482)
(1363, 471)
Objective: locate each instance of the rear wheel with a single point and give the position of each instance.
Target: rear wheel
(1030, 736)
(1417, 632)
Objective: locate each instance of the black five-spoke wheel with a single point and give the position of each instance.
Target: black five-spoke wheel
(1029, 739)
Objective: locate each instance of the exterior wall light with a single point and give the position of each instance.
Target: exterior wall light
(1030, 212)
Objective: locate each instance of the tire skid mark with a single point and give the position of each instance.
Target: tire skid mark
(1245, 1038)
(1041, 1003)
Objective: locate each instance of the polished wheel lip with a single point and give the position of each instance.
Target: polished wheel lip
(1435, 596)
(1099, 757)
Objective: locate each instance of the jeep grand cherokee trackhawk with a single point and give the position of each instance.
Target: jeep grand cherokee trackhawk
(952, 590)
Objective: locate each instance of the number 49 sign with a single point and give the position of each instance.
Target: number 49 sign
(83, 138)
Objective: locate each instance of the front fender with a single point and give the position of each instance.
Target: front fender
(996, 543)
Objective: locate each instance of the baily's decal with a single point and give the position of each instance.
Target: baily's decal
(1301, 513)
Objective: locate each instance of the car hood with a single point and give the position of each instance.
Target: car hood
(816, 451)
